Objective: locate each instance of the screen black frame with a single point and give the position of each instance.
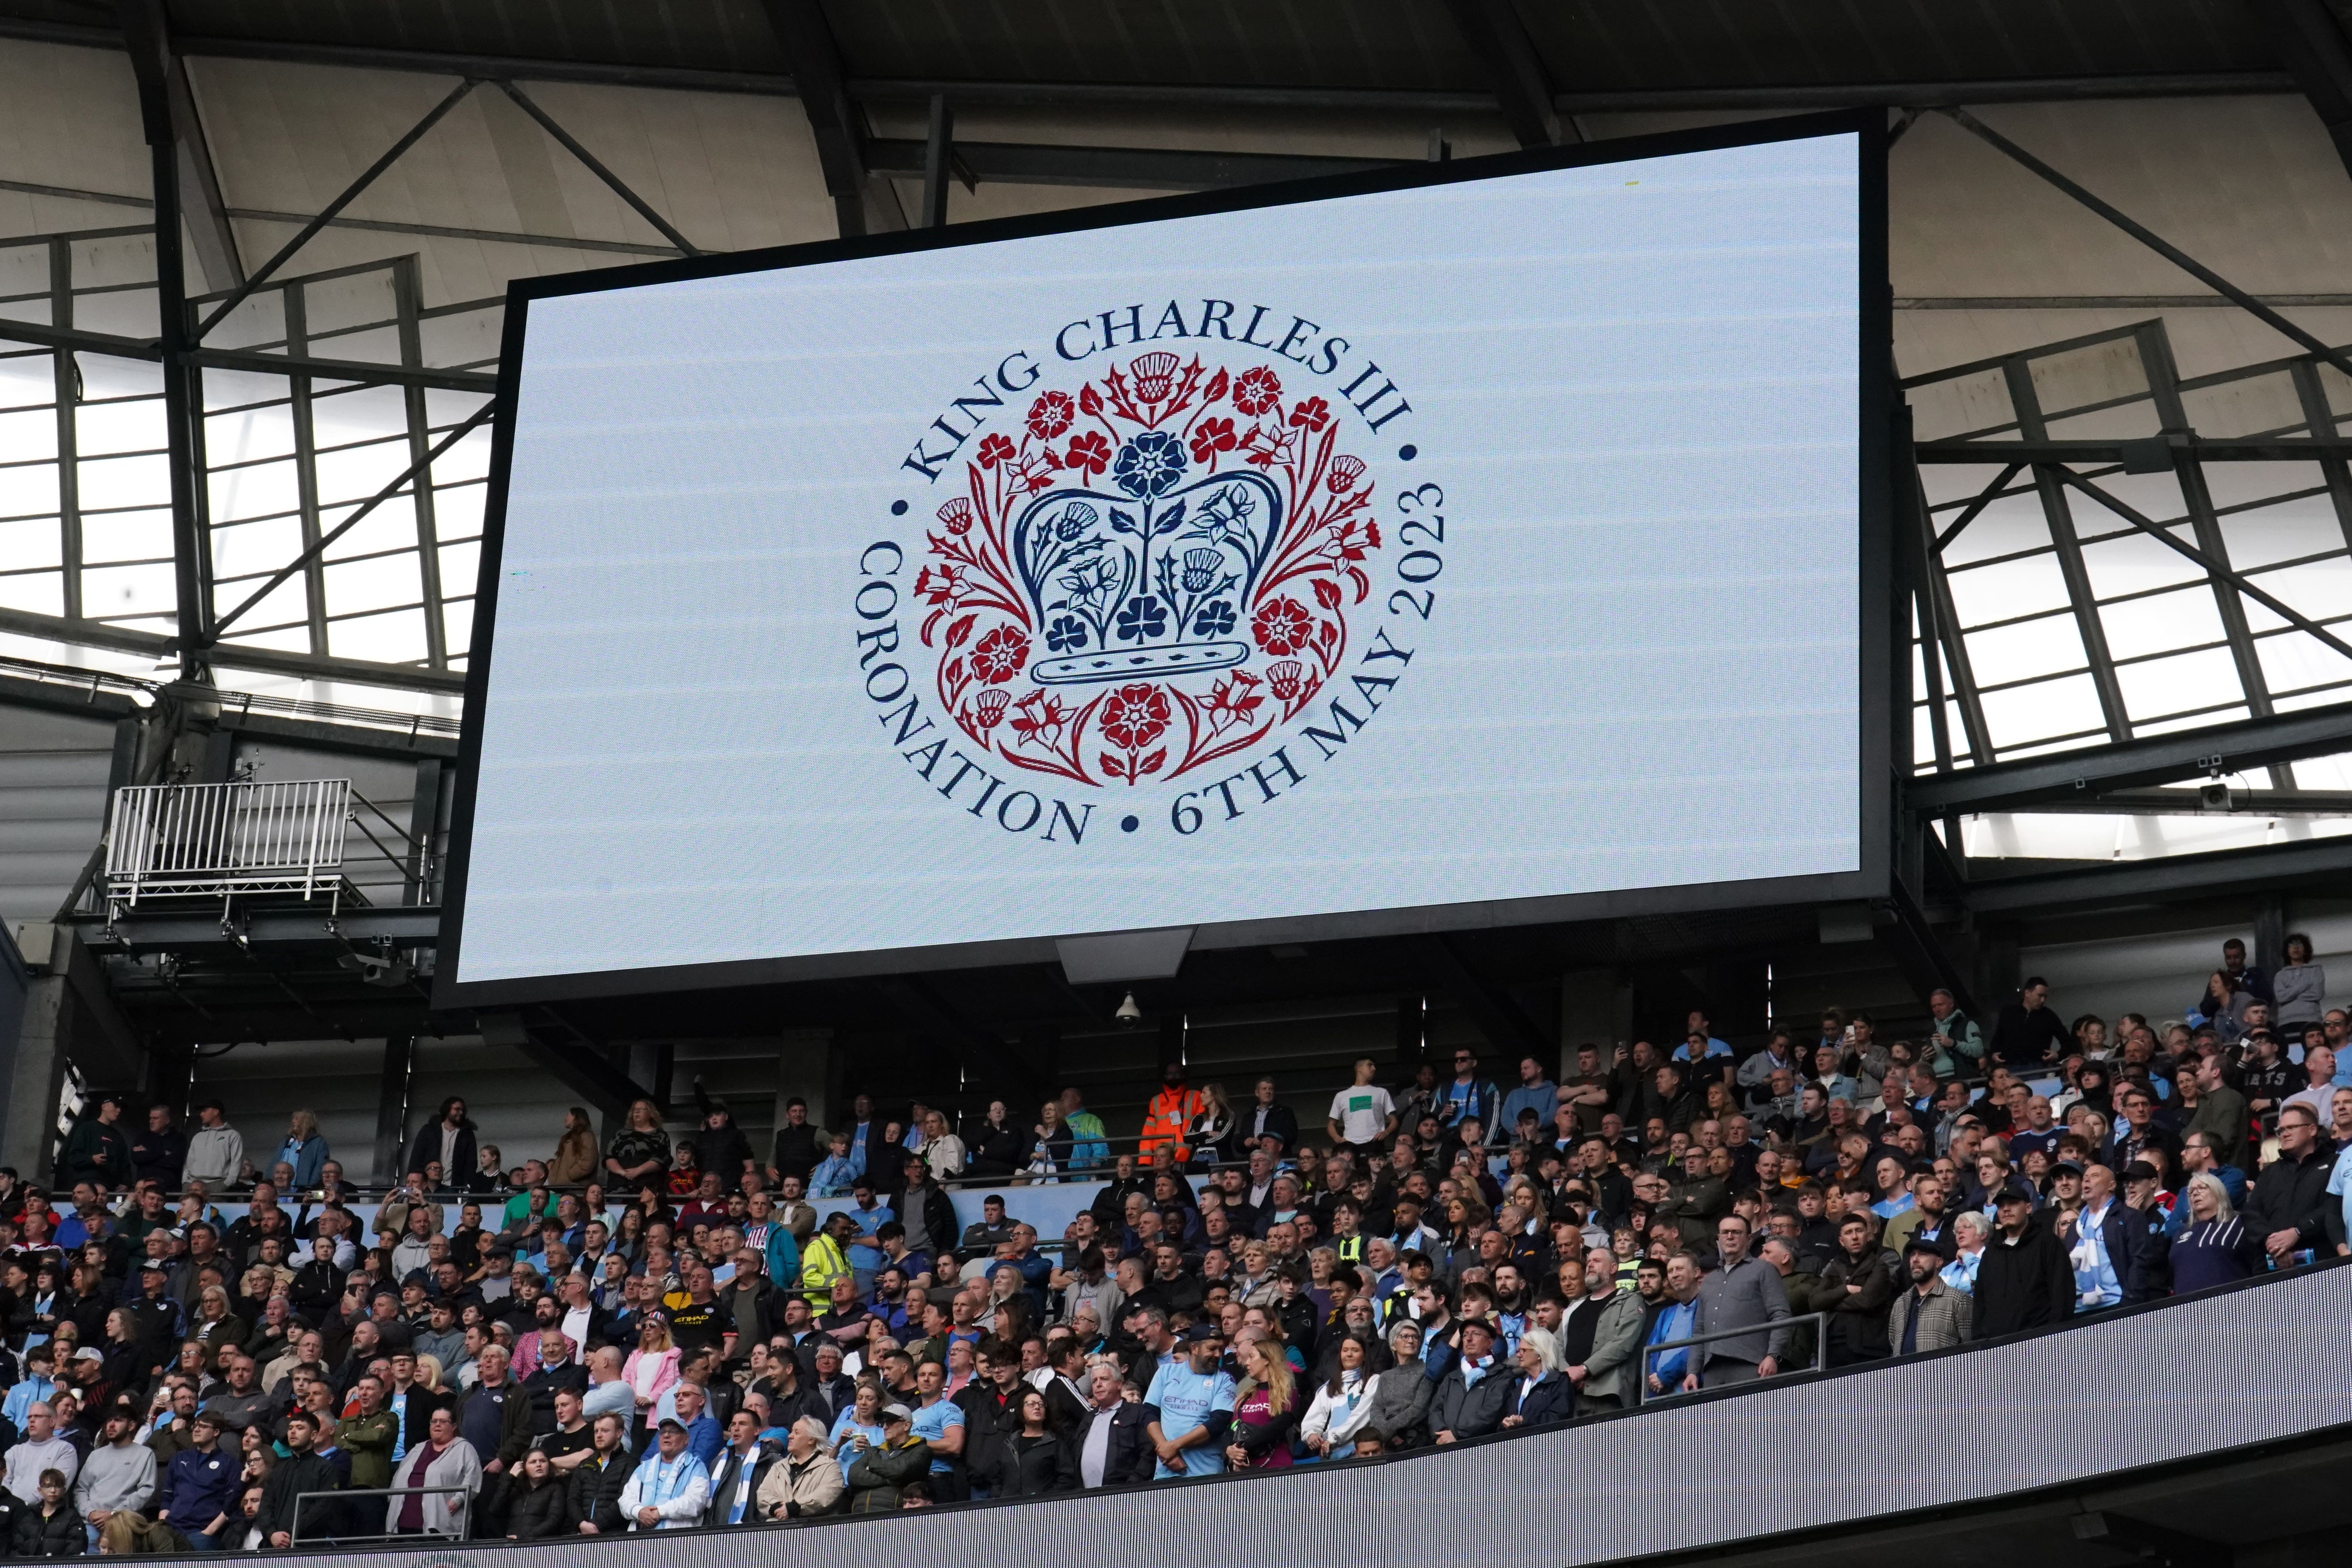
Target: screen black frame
(1881, 640)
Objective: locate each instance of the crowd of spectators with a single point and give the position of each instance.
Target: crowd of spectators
(662, 1333)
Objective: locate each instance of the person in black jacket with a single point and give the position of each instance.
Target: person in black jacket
(2026, 1279)
(1265, 1124)
(720, 1148)
(592, 1503)
(541, 1508)
(158, 1153)
(52, 1528)
(1127, 1457)
(2287, 1210)
(300, 1472)
(2027, 1032)
(426, 1146)
(1034, 1460)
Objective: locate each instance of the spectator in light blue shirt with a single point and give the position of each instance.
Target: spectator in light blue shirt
(1195, 1401)
(1969, 1233)
(837, 1171)
(1679, 1319)
(1535, 1092)
(34, 1389)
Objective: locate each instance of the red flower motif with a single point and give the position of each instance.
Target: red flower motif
(1312, 415)
(1283, 626)
(1135, 716)
(1284, 679)
(989, 707)
(1257, 390)
(956, 516)
(1051, 415)
(995, 449)
(1211, 437)
(1089, 454)
(999, 656)
(1345, 471)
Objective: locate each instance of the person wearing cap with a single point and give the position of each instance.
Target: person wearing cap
(98, 1150)
(880, 1473)
(1930, 1315)
(199, 1486)
(670, 1488)
(1195, 1400)
(118, 1477)
(2025, 1279)
(2128, 1235)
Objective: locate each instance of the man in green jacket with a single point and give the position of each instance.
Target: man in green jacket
(368, 1436)
(2221, 1113)
(98, 1150)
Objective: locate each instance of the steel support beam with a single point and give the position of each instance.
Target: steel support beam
(553, 1044)
(2149, 238)
(2239, 747)
(363, 371)
(806, 36)
(2220, 571)
(351, 194)
(2220, 449)
(2310, 42)
(231, 655)
(415, 473)
(1115, 168)
(2048, 482)
(588, 160)
(2266, 869)
(1814, 95)
(142, 933)
(150, 66)
(1523, 87)
(939, 150)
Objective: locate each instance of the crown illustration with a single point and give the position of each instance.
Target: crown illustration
(1149, 577)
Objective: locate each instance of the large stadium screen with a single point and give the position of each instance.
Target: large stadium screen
(1477, 543)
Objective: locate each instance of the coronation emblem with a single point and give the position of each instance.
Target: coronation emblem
(1156, 570)
(1172, 580)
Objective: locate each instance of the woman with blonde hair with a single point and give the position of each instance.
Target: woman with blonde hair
(1266, 1409)
(215, 1325)
(652, 1367)
(806, 1482)
(304, 1149)
(942, 1150)
(638, 1156)
(574, 1160)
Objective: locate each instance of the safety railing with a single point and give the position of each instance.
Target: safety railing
(331, 1503)
(1820, 1322)
(224, 839)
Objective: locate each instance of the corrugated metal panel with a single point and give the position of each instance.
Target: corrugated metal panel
(53, 772)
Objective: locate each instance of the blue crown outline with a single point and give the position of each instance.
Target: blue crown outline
(1148, 580)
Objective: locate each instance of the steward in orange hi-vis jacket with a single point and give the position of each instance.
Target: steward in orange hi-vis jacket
(1171, 1110)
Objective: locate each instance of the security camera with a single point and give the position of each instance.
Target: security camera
(1129, 1014)
(2213, 796)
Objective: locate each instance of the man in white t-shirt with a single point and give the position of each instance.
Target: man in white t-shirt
(1363, 1116)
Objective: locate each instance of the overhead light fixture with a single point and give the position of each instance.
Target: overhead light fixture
(1129, 1014)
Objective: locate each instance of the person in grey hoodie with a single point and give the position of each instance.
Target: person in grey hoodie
(215, 1149)
(119, 1474)
(2299, 990)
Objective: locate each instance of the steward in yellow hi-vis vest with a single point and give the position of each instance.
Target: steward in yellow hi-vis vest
(1171, 1110)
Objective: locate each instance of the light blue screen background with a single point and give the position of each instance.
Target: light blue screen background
(1636, 381)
